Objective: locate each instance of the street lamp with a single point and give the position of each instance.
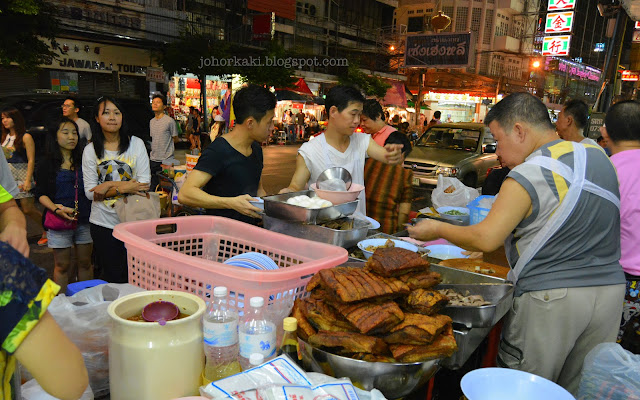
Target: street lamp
(536, 64)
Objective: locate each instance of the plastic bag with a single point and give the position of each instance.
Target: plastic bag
(83, 318)
(610, 373)
(450, 192)
(33, 391)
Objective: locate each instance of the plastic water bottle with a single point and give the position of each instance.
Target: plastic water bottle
(256, 334)
(220, 338)
(256, 359)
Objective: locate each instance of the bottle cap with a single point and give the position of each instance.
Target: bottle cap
(256, 302)
(256, 359)
(290, 324)
(220, 291)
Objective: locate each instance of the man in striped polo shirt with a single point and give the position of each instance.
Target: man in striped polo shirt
(558, 215)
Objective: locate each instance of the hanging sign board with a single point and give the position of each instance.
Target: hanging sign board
(559, 5)
(441, 50)
(556, 45)
(559, 22)
(630, 76)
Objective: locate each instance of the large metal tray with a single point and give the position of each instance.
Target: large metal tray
(317, 233)
(460, 276)
(276, 206)
(499, 295)
(468, 341)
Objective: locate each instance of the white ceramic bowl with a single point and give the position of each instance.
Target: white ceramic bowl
(445, 251)
(508, 384)
(461, 218)
(363, 244)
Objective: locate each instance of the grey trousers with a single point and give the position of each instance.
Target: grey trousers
(549, 332)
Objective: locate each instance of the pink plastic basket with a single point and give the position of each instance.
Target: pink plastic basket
(187, 254)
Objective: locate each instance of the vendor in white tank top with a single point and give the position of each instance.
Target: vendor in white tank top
(339, 146)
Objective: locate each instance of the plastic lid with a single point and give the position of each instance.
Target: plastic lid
(290, 324)
(220, 291)
(256, 302)
(256, 359)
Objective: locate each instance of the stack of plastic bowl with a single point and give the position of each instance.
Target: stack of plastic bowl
(339, 197)
(252, 260)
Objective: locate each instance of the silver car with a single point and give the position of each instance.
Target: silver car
(464, 150)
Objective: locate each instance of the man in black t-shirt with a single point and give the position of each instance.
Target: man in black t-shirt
(229, 171)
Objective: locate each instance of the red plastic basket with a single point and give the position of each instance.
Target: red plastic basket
(187, 254)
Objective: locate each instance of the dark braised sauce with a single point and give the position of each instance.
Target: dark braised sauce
(138, 317)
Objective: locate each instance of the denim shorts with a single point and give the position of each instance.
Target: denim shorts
(66, 239)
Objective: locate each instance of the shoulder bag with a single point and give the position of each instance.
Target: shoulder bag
(56, 223)
(138, 208)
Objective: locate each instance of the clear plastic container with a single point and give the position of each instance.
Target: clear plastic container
(256, 334)
(220, 325)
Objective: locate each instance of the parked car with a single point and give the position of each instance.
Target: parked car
(462, 150)
(41, 110)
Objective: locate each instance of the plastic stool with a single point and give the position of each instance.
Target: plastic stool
(76, 287)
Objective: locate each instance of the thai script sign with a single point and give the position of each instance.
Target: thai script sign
(556, 45)
(559, 22)
(442, 50)
(558, 5)
(579, 71)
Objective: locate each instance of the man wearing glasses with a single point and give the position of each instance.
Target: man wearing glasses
(70, 109)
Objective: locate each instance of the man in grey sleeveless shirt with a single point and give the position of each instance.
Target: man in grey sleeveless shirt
(558, 215)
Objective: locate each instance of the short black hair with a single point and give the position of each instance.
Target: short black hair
(340, 96)
(399, 138)
(437, 114)
(372, 109)
(623, 121)
(76, 103)
(579, 110)
(599, 139)
(519, 107)
(161, 97)
(252, 101)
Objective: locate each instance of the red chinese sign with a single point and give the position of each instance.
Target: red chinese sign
(559, 22)
(558, 5)
(556, 45)
(630, 76)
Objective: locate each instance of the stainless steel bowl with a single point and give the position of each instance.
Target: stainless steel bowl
(394, 380)
(335, 173)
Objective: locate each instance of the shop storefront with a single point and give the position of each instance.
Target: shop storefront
(88, 69)
(567, 79)
(458, 107)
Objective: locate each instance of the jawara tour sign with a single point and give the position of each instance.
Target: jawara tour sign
(442, 50)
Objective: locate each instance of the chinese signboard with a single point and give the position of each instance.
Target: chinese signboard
(443, 50)
(559, 22)
(559, 5)
(155, 74)
(556, 45)
(630, 76)
(635, 38)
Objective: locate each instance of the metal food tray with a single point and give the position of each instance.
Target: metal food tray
(468, 341)
(276, 206)
(460, 276)
(499, 295)
(317, 233)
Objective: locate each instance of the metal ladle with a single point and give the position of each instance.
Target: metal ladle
(160, 312)
(335, 173)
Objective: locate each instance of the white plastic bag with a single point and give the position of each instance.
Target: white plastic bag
(610, 372)
(84, 319)
(459, 197)
(31, 390)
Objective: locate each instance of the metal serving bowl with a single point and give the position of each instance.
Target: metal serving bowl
(335, 173)
(394, 380)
